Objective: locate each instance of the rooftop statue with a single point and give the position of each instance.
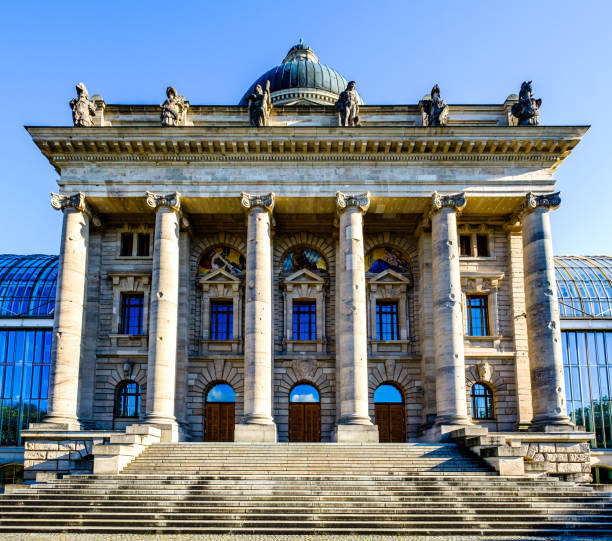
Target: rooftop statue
(348, 106)
(435, 111)
(526, 110)
(174, 109)
(83, 109)
(259, 104)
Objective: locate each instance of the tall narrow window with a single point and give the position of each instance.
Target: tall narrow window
(477, 315)
(482, 401)
(127, 403)
(304, 320)
(387, 326)
(132, 308)
(482, 245)
(221, 320)
(142, 247)
(127, 244)
(465, 245)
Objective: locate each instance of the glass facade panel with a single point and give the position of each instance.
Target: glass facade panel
(387, 325)
(25, 356)
(588, 379)
(221, 320)
(304, 320)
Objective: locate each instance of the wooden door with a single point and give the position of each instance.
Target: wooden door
(219, 422)
(305, 422)
(391, 422)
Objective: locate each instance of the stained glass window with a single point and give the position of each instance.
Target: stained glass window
(382, 258)
(304, 258)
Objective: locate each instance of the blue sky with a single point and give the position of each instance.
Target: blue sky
(477, 51)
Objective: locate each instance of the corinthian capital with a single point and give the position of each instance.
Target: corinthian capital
(171, 201)
(360, 200)
(249, 201)
(77, 202)
(454, 201)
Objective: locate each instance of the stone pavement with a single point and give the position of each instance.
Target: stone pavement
(130, 537)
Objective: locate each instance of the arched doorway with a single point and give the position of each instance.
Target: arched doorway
(304, 414)
(219, 418)
(390, 414)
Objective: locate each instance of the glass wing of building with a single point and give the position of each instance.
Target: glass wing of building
(27, 303)
(584, 286)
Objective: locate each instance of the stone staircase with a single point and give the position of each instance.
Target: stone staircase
(300, 489)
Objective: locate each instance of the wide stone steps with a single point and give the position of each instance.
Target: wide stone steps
(306, 489)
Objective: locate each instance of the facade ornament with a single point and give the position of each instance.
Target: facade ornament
(249, 201)
(526, 110)
(484, 371)
(259, 105)
(361, 201)
(171, 201)
(174, 109)
(76, 202)
(550, 201)
(434, 110)
(455, 201)
(348, 106)
(83, 109)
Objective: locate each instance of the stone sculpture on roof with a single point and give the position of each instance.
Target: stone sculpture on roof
(83, 109)
(526, 110)
(348, 106)
(260, 105)
(174, 109)
(435, 111)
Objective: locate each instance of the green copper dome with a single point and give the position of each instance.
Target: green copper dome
(301, 80)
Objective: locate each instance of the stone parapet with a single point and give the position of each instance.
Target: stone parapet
(566, 455)
(111, 458)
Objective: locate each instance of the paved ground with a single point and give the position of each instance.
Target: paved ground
(129, 537)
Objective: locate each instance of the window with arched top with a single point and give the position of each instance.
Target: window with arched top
(389, 413)
(221, 392)
(482, 402)
(302, 257)
(388, 394)
(127, 402)
(220, 413)
(304, 414)
(304, 392)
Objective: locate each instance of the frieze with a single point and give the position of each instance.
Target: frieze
(249, 201)
(76, 201)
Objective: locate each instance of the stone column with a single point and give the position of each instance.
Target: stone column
(354, 424)
(543, 321)
(449, 357)
(69, 306)
(163, 315)
(258, 424)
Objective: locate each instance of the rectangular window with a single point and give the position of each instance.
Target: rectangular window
(387, 325)
(482, 245)
(127, 244)
(142, 247)
(304, 320)
(221, 320)
(465, 245)
(477, 315)
(132, 308)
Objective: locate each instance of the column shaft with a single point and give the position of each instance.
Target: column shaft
(258, 424)
(163, 316)
(352, 333)
(69, 305)
(447, 315)
(543, 321)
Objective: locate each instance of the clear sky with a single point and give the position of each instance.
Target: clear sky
(477, 51)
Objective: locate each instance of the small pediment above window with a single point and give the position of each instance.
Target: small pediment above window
(304, 276)
(388, 276)
(219, 276)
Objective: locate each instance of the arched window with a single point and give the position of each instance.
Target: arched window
(127, 403)
(388, 394)
(304, 258)
(222, 392)
(482, 402)
(304, 393)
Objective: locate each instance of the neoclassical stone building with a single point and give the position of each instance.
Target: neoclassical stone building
(260, 273)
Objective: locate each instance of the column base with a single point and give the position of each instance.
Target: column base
(254, 433)
(169, 428)
(546, 424)
(355, 434)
